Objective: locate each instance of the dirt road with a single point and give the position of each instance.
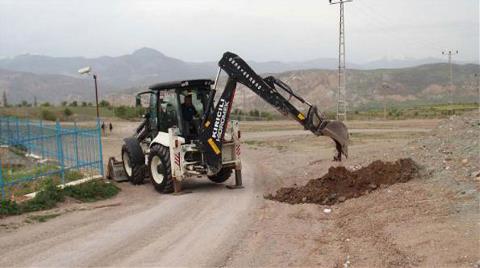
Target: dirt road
(213, 226)
(137, 228)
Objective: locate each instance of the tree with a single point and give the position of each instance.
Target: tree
(45, 104)
(104, 103)
(64, 103)
(48, 115)
(84, 104)
(67, 112)
(5, 102)
(74, 104)
(24, 104)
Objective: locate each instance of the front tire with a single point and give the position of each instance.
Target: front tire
(160, 168)
(223, 175)
(135, 172)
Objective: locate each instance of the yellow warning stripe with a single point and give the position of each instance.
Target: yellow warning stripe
(301, 116)
(214, 146)
(207, 123)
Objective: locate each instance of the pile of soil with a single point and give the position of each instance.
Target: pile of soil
(340, 184)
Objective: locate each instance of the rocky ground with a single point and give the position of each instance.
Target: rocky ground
(430, 221)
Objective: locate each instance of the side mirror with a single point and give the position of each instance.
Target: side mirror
(138, 101)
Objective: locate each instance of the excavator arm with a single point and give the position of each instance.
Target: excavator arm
(215, 120)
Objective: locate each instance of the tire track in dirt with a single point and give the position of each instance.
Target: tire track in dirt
(199, 228)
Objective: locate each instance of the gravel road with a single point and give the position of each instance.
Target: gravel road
(137, 228)
(149, 229)
(214, 226)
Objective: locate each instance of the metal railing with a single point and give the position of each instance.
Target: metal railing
(34, 149)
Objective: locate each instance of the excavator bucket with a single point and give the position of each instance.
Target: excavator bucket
(336, 130)
(339, 133)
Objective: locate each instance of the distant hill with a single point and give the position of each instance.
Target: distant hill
(146, 65)
(56, 79)
(405, 86)
(22, 86)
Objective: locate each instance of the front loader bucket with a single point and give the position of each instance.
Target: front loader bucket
(115, 170)
(339, 133)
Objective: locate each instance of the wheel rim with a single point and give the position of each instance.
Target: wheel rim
(156, 169)
(126, 164)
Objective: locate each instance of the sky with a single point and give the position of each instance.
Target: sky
(261, 30)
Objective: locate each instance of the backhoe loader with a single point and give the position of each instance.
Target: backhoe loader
(186, 133)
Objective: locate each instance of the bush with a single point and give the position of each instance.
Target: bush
(46, 198)
(126, 112)
(48, 115)
(92, 191)
(67, 112)
(104, 103)
(50, 195)
(8, 207)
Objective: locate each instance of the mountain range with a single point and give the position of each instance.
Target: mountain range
(56, 79)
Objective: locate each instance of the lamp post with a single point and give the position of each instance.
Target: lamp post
(87, 70)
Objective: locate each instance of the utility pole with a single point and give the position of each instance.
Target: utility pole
(385, 87)
(342, 87)
(450, 53)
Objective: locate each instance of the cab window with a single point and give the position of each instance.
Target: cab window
(168, 110)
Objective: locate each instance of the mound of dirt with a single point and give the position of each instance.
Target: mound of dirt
(340, 184)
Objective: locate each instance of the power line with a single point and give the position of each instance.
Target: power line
(342, 83)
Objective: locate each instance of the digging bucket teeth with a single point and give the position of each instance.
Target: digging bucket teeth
(336, 130)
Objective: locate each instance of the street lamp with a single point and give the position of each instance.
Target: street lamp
(87, 70)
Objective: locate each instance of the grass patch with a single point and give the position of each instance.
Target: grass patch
(50, 195)
(43, 218)
(8, 207)
(20, 173)
(47, 198)
(91, 191)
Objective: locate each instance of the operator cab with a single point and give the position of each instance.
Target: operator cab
(178, 104)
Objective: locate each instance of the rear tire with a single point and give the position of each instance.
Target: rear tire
(223, 175)
(134, 172)
(160, 169)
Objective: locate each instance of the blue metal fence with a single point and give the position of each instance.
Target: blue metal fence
(30, 150)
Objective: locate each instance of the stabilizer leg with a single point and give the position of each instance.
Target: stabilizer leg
(177, 188)
(238, 180)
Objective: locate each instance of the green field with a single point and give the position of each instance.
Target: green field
(373, 111)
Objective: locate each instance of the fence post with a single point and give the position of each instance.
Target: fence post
(1, 181)
(75, 137)
(9, 132)
(99, 133)
(17, 127)
(29, 141)
(58, 134)
(42, 139)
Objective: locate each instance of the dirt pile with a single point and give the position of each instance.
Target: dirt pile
(340, 184)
